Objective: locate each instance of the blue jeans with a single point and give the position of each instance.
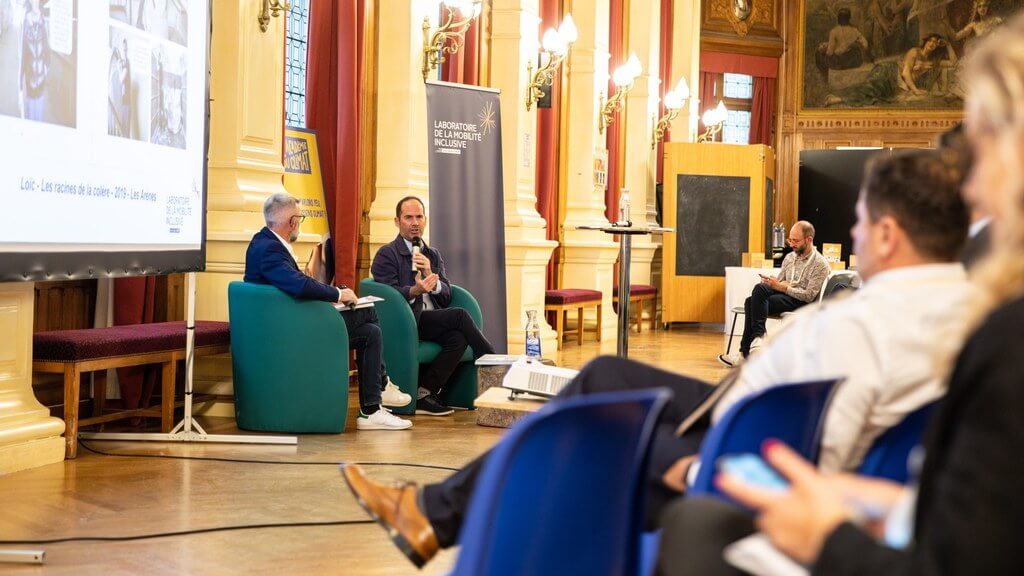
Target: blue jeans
(364, 336)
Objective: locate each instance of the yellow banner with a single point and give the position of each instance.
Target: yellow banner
(303, 180)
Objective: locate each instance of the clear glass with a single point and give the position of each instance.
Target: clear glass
(736, 129)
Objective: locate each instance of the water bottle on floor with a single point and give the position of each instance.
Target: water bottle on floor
(532, 335)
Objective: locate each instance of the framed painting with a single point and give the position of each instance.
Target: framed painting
(873, 55)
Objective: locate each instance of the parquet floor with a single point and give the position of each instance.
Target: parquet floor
(98, 495)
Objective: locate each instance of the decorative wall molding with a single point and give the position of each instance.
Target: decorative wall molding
(871, 124)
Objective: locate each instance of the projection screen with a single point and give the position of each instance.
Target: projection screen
(104, 118)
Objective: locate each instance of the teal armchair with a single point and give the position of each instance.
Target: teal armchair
(290, 361)
(404, 353)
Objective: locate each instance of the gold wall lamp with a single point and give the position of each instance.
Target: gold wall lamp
(623, 78)
(271, 8)
(556, 46)
(713, 119)
(451, 35)
(675, 99)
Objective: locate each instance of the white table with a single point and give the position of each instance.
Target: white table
(739, 282)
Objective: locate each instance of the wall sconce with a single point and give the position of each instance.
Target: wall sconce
(675, 99)
(450, 36)
(556, 45)
(713, 119)
(271, 8)
(623, 78)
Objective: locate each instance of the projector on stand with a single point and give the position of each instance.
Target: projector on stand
(530, 376)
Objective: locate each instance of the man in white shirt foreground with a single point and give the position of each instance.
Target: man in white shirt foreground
(891, 341)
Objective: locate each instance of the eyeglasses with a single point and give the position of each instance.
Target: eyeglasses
(300, 217)
(794, 240)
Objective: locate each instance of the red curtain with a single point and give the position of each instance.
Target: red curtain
(547, 150)
(762, 111)
(707, 95)
(135, 303)
(333, 109)
(613, 133)
(667, 81)
(462, 67)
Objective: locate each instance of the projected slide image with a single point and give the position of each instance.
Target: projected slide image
(169, 97)
(128, 86)
(165, 19)
(39, 60)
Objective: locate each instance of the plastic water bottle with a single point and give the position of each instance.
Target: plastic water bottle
(532, 335)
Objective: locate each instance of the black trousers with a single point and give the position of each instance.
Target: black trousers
(364, 336)
(763, 302)
(694, 531)
(454, 330)
(446, 503)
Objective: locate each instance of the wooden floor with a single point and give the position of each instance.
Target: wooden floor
(117, 496)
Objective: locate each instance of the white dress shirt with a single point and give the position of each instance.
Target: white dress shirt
(892, 340)
(288, 247)
(428, 303)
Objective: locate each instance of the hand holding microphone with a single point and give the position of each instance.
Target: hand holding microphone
(420, 262)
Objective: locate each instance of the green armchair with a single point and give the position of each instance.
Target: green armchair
(290, 361)
(404, 353)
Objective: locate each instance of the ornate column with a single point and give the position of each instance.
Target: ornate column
(588, 257)
(245, 166)
(642, 35)
(29, 436)
(686, 62)
(527, 251)
(401, 117)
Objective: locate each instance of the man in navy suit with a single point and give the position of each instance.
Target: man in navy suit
(271, 260)
(429, 293)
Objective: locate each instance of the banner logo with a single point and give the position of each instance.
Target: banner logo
(296, 156)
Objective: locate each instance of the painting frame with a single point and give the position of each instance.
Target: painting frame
(804, 73)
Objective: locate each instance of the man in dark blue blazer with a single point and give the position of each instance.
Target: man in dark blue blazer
(429, 293)
(270, 260)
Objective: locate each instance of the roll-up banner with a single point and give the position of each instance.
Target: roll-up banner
(466, 219)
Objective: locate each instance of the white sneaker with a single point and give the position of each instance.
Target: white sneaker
(731, 360)
(756, 344)
(381, 420)
(392, 396)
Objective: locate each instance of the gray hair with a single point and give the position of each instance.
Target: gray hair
(276, 204)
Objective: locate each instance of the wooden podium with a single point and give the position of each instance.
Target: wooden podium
(719, 200)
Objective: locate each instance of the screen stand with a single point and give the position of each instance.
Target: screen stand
(189, 430)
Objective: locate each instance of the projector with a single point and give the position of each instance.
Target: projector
(530, 376)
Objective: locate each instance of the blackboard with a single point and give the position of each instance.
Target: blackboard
(712, 223)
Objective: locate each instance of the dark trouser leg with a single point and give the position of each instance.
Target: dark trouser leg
(756, 308)
(453, 329)
(446, 502)
(694, 533)
(364, 336)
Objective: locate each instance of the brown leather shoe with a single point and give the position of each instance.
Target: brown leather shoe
(395, 508)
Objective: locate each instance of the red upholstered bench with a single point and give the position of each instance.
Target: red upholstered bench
(74, 352)
(562, 301)
(638, 295)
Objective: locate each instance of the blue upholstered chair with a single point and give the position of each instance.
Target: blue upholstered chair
(564, 492)
(888, 456)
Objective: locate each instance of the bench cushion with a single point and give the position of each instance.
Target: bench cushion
(637, 290)
(571, 296)
(92, 343)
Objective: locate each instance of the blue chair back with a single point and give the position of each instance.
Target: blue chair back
(888, 456)
(564, 492)
(791, 413)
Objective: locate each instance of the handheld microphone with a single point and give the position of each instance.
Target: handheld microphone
(416, 248)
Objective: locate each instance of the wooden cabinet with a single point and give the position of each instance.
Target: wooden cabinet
(719, 200)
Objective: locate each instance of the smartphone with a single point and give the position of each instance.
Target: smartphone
(753, 470)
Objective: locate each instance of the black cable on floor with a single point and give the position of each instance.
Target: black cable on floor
(247, 461)
(183, 532)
